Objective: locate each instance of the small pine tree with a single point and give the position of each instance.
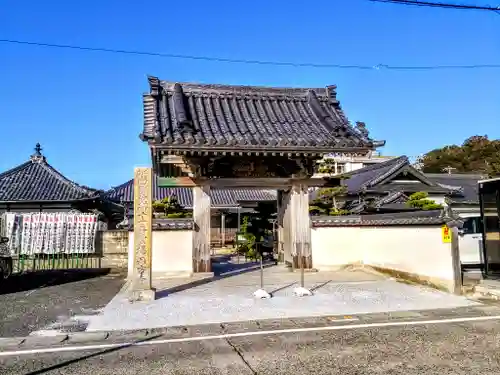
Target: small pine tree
(421, 201)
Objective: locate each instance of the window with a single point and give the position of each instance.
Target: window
(472, 225)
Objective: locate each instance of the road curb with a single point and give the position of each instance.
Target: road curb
(9, 342)
(82, 337)
(125, 337)
(36, 340)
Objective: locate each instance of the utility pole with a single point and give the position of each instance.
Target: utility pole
(448, 169)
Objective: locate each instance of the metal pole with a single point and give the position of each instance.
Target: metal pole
(261, 269)
(301, 246)
(239, 229)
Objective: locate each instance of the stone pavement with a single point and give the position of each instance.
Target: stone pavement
(230, 300)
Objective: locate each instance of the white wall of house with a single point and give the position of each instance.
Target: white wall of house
(416, 250)
(172, 253)
(438, 198)
(348, 163)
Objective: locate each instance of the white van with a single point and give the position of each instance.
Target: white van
(470, 240)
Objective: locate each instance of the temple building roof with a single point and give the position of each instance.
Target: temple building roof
(468, 182)
(387, 186)
(37, 181)
(220, 198)
(194, 117)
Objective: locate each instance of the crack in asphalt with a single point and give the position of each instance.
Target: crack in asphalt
(238, 352)
(242, 357)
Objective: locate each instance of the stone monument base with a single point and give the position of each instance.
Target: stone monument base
(142, 295)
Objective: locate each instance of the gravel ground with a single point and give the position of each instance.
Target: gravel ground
(231, 299)
(54, 300)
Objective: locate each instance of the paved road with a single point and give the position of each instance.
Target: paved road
(462, 347)
(49, 300)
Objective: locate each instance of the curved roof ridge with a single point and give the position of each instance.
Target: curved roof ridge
(399, 161)
(37, 180)
(242, 89)
(18, 168)
(64, 179)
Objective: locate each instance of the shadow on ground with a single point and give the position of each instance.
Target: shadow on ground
(222, 268)
(42, 279)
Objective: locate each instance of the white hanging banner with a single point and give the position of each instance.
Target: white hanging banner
(50, 233)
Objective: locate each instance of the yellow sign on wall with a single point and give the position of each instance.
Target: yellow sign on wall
(446, 234)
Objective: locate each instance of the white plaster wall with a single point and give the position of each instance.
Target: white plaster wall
(354, 166)
(412, 249)
(438, 198)
(335, 247)
(172, 252)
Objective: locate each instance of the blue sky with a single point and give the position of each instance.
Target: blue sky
(85, 107)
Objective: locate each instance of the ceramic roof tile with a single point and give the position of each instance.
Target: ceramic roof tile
(468, 183)
(369, 176)
(36, 180)
(396, 218)
(220, 197)
(187, 115)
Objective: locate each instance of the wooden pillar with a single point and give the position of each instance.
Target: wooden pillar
(280, 229)
(141, 286)
(287, 229)
(201, 235)
(300, 228)
(223, 228)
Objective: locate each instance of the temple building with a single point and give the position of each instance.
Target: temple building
(386, 187)
(36, 186)
(227, 210)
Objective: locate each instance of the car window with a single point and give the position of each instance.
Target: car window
(472, 225)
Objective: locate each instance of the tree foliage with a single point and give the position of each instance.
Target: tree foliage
(421, 201)
(169, 207)
(477, 154)
(326, 202)
(248, 247)
(327, 166)
(261, 224)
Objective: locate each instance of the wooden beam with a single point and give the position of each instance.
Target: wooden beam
(176, 182)
(267, 183)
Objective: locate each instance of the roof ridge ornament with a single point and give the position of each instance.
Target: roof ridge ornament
(361, 127)
(37, 156)
(331, 92)
(184, 123)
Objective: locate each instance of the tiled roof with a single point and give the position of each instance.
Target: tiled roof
(166, 224)
(369, 176)
(205, 116)
(468, 183)
(220, 197)
(398, 218)
(378, 178)
(393, 200)
(36, 181)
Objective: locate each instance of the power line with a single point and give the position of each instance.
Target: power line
(254, 62)
(440, 5)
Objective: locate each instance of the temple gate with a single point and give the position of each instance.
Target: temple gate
(213, 136)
